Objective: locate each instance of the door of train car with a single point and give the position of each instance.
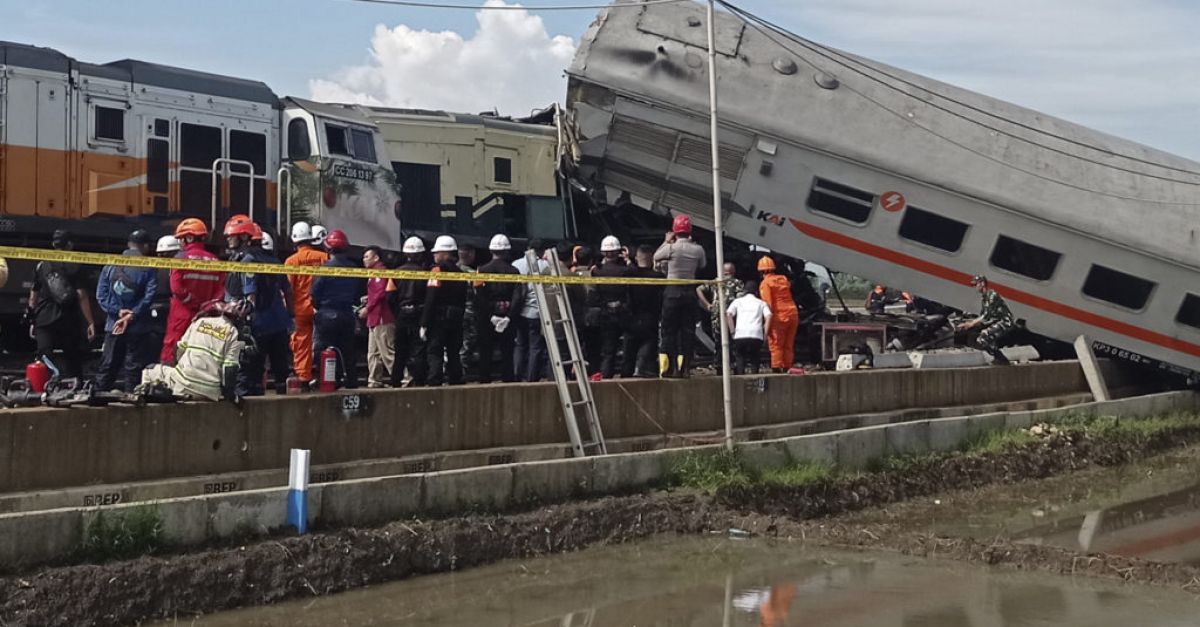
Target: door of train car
(239, 150)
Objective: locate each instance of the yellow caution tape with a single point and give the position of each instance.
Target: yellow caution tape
(171, 263)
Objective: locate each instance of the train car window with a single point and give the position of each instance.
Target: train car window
(364, 145)
(252, 147)
(162, 128)
(1118, 288)
(199, 145)
(1024, 258)
(158, 156)
(1189, 311)
(335, 138)
(503, 169)
(932, 229)
(299, 148)
(841, 201)
(109, 123)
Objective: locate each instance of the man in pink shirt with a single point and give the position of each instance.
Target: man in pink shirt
(381, 324)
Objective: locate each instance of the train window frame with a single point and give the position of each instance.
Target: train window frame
(1190, 302)
(185, 155)
(1145, 302)
(369, 153)
(345, 145)
(1017, 273)
(828, 187)
(508, 170)
(158, 165)
(913, 212)
(244, 135)
(118, 108)
(297, 136)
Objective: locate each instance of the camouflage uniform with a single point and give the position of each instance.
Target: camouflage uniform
(997, 321)
(733, 288)
(470, 345)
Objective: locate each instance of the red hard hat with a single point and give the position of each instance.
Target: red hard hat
(336, 240)
(681, 225)
(240, 225)
(258, 234)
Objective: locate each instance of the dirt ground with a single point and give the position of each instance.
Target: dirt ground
(268, 571)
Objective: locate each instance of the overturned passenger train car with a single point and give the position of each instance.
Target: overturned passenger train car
(876, 171)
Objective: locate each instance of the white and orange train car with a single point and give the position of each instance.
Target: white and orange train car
(885, 174)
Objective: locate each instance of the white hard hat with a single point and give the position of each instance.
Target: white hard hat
(445, 244)
(500, 242)
(268, 242)
(318, 234)
(413, 245)
(610, 244)
(301, 232)
(167, 244)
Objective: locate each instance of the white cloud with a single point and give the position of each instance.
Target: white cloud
(1127, 68)
(510, 63)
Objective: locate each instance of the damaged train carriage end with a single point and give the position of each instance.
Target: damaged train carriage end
(872, 170)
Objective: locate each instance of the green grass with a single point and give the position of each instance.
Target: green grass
(723, 471)
(711, 471)
(999, 441)
(798, 475)
(132, 533)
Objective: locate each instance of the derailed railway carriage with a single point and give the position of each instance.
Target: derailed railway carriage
(869, 169)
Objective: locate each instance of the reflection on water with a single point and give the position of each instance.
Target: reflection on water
(703, 582)
(1149, 510)
(1162, 527)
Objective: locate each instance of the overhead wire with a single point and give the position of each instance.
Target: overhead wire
(476, 7)
(766, 28)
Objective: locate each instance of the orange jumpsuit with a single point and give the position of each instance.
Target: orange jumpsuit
(774, 611)
(776, 291)
(302, 337)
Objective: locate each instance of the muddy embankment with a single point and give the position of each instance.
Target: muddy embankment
(272, 570)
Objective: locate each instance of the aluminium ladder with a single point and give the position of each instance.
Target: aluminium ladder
(574, 389)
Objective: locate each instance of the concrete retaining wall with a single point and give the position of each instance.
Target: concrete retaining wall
(34, 537)
(46, 448)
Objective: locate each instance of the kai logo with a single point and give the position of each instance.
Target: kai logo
(773, 218)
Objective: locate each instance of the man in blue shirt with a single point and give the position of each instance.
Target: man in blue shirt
(126, 294)
(267, 298)
(334, 299)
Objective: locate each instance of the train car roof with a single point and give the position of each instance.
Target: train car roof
(140, 73)
(487, 121)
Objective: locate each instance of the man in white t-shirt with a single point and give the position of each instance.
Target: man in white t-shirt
(750, 319)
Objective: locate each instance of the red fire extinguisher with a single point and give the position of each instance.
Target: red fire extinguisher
(38, 374)
(328, 370)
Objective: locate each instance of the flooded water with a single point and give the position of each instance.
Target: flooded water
(701, 582)
(1149, 510)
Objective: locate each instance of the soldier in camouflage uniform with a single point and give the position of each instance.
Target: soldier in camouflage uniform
(995, 318)
(468, 262)
(708, 297)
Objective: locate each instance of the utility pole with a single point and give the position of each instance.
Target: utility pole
(719, 225)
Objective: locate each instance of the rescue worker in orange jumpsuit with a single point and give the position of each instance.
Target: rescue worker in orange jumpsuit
(776, 291)
(307, 254)
(190, 289)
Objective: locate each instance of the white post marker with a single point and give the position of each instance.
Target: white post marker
(297, 498)
(719, 225)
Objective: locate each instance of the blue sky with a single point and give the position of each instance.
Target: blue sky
(1129, 68)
